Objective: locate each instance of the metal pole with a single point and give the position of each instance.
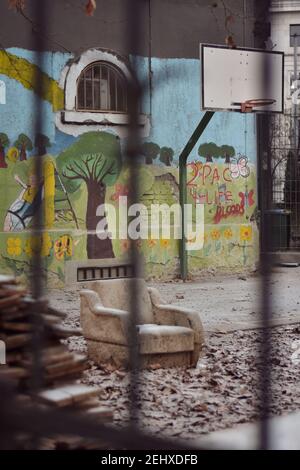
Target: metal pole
(183, 189)
(295, 103)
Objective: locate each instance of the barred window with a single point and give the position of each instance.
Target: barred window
(102, 87)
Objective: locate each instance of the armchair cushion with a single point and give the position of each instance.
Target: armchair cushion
(155, 339)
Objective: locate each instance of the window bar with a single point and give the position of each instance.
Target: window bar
(84, 98)
(92, 86)
(116, 93)
(108, 89)
(99, 103)
(100, 97)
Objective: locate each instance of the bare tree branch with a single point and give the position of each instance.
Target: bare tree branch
(86, 164)
(81, 170)
(71, 177)
(108, 172)
(76, 173)
(96, 162)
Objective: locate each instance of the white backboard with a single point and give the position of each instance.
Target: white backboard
(233, 76)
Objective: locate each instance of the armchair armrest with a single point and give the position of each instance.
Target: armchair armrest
(167, 314)
(101, 323)
(179, 316)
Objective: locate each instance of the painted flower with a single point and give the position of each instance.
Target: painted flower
(246, 233)
(13, 154)
(228, 234)
(215, 234)
(138, 244)
(41, 245)
(32, 246)
(191, 239)
(151, 243)
(195, 241)
(164, 243)
(46, 244)
(125, 245)
(14, 246)
(63, 247)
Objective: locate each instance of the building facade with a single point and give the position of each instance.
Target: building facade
(84, 69)
(284, 172)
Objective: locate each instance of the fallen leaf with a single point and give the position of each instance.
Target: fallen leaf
(18, 5)
(90, 7)
(155, 366)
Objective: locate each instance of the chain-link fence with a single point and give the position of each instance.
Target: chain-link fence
(38, 423)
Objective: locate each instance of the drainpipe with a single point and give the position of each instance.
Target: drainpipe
(295, 106)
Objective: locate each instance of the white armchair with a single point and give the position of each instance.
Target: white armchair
(168, 335)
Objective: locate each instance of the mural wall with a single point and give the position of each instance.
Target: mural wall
(80, 172)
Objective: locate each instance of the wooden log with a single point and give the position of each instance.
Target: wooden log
(17, 341)
(8, 290)
(101, 413)
(14, 373)
(66, 395)
(47, 360)
(72, 366)
(10, 301)
(7, 279)
(57, 313)
(13, 357)
(62, 332)
(15, 326)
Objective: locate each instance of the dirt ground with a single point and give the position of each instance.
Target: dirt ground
(223, 390)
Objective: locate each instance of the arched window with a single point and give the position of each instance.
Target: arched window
(101, 87)
(96, 87)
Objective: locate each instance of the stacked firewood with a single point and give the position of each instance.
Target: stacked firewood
(32, 334)
(19, 318)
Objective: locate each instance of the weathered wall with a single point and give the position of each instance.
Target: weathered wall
(227, 186)
(171, 28)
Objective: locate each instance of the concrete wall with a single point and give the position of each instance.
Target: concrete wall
(170, 112)
(170, 28)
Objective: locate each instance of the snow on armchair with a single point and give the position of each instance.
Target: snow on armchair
(168, 335)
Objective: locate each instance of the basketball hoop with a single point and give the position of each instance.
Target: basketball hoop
(247, 106)
(241, 76)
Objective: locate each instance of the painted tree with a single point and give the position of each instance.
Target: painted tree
(150, 150)
(227, 152)
(23, 143)
(41, 143)
(208, 151)
(94, 159)
(4, 142)
(166, 155)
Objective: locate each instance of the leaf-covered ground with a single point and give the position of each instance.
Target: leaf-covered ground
(220, 393)
(224, 389)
